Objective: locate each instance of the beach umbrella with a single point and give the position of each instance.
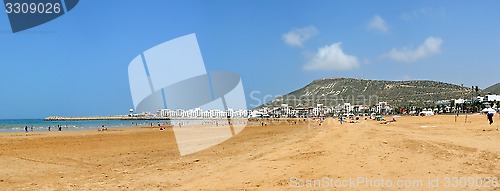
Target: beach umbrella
(488, 110)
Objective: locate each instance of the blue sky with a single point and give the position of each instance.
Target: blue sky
(77, 64)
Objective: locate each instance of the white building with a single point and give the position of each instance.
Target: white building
(319, 111)
(382, 108)
(492, 98)
(459, 101)
(347, 108)
(199, 113)
(361, 108)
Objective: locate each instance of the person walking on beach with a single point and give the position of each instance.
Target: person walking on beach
(26, 128)
(490, 118)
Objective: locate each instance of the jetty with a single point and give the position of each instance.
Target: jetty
(124, 117)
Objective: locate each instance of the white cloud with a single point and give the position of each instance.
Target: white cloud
(297, 37)
(378, 23)
(431, 46)
(332, 57)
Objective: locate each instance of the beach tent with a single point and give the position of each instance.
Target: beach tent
(426, 113)
(488, 110)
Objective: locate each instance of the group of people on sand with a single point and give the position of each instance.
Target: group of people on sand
(291, 122)
(103, 128)
(274, 121)
(389, 122)
(350, 119)
(26, 128)
(353, 119)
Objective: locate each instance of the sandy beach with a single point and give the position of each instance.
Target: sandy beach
(275, 157)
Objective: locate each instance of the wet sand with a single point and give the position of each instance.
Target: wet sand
(274, 157)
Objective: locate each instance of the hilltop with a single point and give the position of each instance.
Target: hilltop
(494, 89)
(334, 91)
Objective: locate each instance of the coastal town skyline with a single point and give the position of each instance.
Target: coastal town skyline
(77, 64)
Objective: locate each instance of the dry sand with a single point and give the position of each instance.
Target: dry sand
(258, 158)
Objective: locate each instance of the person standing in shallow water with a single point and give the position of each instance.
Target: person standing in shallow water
(26, 128)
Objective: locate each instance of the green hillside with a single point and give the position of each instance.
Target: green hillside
(334, 91)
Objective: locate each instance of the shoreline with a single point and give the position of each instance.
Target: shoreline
(65, 132)
(41, 125)
(89, 118)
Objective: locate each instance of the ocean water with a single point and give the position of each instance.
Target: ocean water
(18, 125)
